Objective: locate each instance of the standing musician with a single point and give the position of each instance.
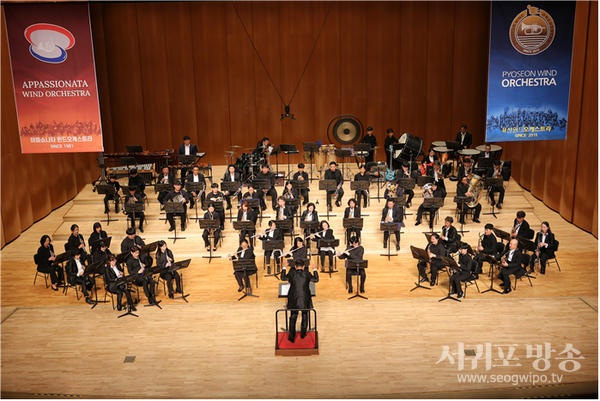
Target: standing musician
(301, 175)
(435, 250)
(76, 242)
(181, 196)
(324, 233)
(521, 227)
(274, 234)
(263, 146)
(290, 193)
(510, 261)
(101, 254)
(211, 214)
(355, 252)
(265, 174)
(130, 240)
(196, 176)
(389, 141)
(165, 259)
(112, 273)
(448, 235)
(45, 258)
(75, 268)
(334, 174)
(246, 214)
(165, 177)
(136, 267)
(487, 246)
(545, 248)
(137, 181)
(462, 190)
(362, 176)
(310, 214)
(231, 175)
(496, 172)
(466, 268)
(97, 233)
(298, 251)
(429, 191)
(464, 138)
(391, 214)
(132, 197)
(487, 153)
(112, 179)
(299, 296)
(466, 168)
(352, 212)
(252, 194)
(246, 253)
(217, 196)
(186, 149)
(406, 173)
(371, 140)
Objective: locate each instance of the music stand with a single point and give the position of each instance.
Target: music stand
(293, 203)
(247, 225)
(122, 257)
(345, 154)
(260, 186)
(328, 185)
(360, 149)
(286, 225)
(527, 245)
(357, 264)
(423, 179)
(460, 200)
(289, 149)
(197, 187)
(300, 185)
(328, 243)
(311, 147)
(91, 270)
(232, 187)
(433, 204)
(362, 186)
(504, 236)
(351, 224)
(489, 183)
(455, 147)
(212, 226)
(134, 148)
(133, 208)
(422, 256)
(492, 261)
(273, 245)
(485, 162)
(245, 265)
(126, 280)
(178, 266)
(275, 152)
(163, 188)
(127, 161)
(96, 244)
(186, 160)
(380, 171)
(451, 264)
(175, 207)
(107, 189)
(389, 227)
(149, 272)
(149, 248)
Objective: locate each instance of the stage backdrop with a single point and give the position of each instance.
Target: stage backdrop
(54, 77)
(530, 70)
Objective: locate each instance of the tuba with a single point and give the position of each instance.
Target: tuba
(475, 186)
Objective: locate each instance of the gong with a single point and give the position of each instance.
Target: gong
(347, 130)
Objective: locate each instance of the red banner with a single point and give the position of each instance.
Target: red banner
(54, 77)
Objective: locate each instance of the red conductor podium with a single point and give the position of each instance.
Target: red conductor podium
(307, 346)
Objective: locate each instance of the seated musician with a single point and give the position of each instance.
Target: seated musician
(333, 174)
(352, 212)
(324, 250)
(355, 252)
(438, 177)
(465, 169)
(289, 192)
(97, 233)
(263, 146)
(137, 181)
(488, 246)
(231, 175)
(371, 140)
(435, 250)
(448, 235)
(427, 162)
(130, 240)
(75, 268)
(253, 194)
(406, 173)
(496, 172)
(521, 227)
(112, 179)
(186, 149)
(462, 190)
(362, 176)
(76, 242)
(211, 214)
(393, 190)
(487, 153)
(45, 259)
(217, 196)
(511, 264)
(165, 259)
(298, 251)
(392, 214)
(192, 177)
(299, 296)
(101, 254)
(130, 198)
(301, 175)
(545, 248)
(165, 177)
(466, 268)
(136, 267)
(246, 253)
(429, 191)
(246, 214)
(267, 175)
(112, 273)
(310, 214)
(273, 234)
(181, 196)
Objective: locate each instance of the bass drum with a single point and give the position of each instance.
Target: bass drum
(411, 149)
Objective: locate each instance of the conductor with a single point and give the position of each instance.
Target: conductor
(299, 296)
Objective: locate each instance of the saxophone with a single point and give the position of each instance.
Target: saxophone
(337, 190)
(288, 195)
(478, 244)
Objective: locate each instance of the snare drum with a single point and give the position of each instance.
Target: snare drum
(472, 153)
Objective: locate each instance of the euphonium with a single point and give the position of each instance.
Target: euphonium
(476, 188)
(427, 192)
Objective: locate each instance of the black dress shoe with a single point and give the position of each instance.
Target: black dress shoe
(365, 205)
(337, 203)
(461, 222)
(417, 223)
(423, 280)
(171, 295)
(530, 271)
(506, 291)
(182, 228)
(240, 289)
(178, 291)
(432, 283)
(476, 276)
(290, 339)
(329, 208)
(493, 203)
(461, 295)
(397, 247)
(171, 228)
(499, 206)
(89, 301)
(476, 221)
(133, 308)
(384, 245)
(362, 289)
(302, 335)
(106, 211)
(350, 290)
(228, 207)
(501, 284)
(268, 269)
(141, 229)
(119, 307)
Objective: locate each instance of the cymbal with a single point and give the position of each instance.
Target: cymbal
(230, 151)
(235, 146)
(376, 147)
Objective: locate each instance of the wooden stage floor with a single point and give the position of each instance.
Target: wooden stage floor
(216, 347)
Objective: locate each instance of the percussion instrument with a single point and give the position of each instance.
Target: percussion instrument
(443, 153)
(497, 149)
(325, 156)
(411, 149)
(438, 144)
(158, 157)
(472, 153)
(141, 168)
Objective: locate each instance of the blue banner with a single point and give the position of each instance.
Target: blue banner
(531, 45)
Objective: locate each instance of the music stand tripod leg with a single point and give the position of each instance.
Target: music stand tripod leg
(128, 313)
(449, 289)
(357, 287)
(418, 283)
(183, 294)
(246, 294)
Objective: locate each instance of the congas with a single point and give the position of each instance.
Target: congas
(472, 153)
(497, 149)
(411, 149)
(442, 153)
(320, 158)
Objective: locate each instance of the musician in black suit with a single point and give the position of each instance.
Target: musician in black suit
(392, 214)
(371, 140)
(101, 254)
(265, 174)
(231, 175)
(263, 146)
(310, 214)
(362, 176)
(274, 234)
(177, 195)
(137, 181)
(301, 175)
(289, 192)
(246, 214)
(165, 177)
(487, 153)
(132, 197)
(449, 235)
(462, 190)
(112, 179)
(246, 253)
(466, 168)
(466, 268)
(186, 149)
(217, 196)
(196, 176)
(76, 242)
(389, 141)
(136, 267)
(496, 172)
(464, 138)
(355, 252)
(487, 247)
(45, 258)
(112, 273)
(406, 173)
(75, 268)
(512, 265)
(97, 233)
(253, 194)
(324, 233)
(521, 227)
(438, 178)
(299, 296)
(211, 214)
(165, 259)
(352, 212)
(435, 250)
(429, 191)
(283, 212)
(333, 174)
(130, 240)
(546, 246)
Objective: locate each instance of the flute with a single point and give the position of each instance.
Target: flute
(291, 252)
(322, 231)
(258, 235)
(337, 255)
(233, 254)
